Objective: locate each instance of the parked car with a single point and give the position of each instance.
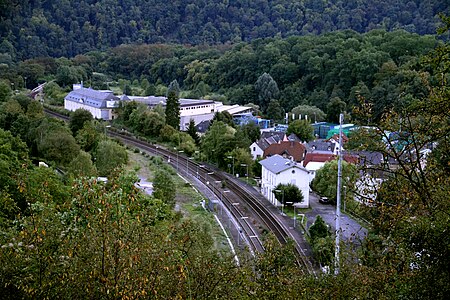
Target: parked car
(324, 200)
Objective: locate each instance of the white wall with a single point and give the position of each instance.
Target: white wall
(197, 110)
(312, 167)
(105, 114)
(255, 150)
(300, 178)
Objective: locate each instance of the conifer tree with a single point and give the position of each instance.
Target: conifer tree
(192, 131)
(173, 106)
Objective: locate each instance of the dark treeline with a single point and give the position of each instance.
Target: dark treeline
(329, 71)
(67, 28)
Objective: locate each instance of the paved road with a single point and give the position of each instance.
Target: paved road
(351, 230)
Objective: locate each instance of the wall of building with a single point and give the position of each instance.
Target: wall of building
(256, 151)
(184, 120)
(299, 178)
(200, 109)
(105, 114)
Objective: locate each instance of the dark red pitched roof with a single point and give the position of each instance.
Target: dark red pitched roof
(286, 148)
(325, 157)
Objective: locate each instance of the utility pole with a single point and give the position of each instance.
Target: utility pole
(338, 199)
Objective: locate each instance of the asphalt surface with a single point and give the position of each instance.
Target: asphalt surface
(351, 230)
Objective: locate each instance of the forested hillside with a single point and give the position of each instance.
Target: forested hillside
(328, 71)
(66, 28)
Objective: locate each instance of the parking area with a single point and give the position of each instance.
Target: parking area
(352, 231)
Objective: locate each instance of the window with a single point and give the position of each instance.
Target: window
(293, 171)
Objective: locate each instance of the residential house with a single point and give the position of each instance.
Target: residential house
(267, 138)
(279, 170)
(315, 160)
(320, 145)
(288, 149)
(335, 140)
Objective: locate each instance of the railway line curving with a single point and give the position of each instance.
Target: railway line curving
(249, 211)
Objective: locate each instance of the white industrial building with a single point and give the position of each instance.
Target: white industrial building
(198, 110)
(101, 103)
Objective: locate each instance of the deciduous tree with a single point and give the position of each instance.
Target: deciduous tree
(325, 181)
(218, 140)
(82, 165)
(314, 113)
(108, 156)
(78, 118)
(288, 193)
(302, 129)
(164, 188)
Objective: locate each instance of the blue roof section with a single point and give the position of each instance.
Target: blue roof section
(91, 97)
(277, 164)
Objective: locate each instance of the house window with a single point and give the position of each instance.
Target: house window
(254, 149)
(293, 171)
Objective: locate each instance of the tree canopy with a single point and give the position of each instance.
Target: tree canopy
(63, 28)
(302, 129)
(173, 109)
(288, 193)
(325, 181)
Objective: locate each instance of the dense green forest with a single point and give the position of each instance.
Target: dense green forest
(67, 28)
(329, 71)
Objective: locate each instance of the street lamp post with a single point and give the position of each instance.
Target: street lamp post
(180, 151)
(229, 217)
(294, 209)
(245, 165)
(199, 166)
(187, 164)
(282, 199)
(106, 129)
(345, 193)
(295, 216)
(233, 163)
(206, 177)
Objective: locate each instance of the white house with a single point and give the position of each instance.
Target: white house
(276, 170)
(256, 150)
(267, 138)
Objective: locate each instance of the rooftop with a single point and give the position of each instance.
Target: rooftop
(155, 100)
(295, 150)
(90, 97)
(277, 164)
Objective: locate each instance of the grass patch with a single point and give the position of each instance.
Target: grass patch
(188, 200)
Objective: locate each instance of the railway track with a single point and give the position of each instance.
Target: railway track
(245, 208)
(237, 201)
